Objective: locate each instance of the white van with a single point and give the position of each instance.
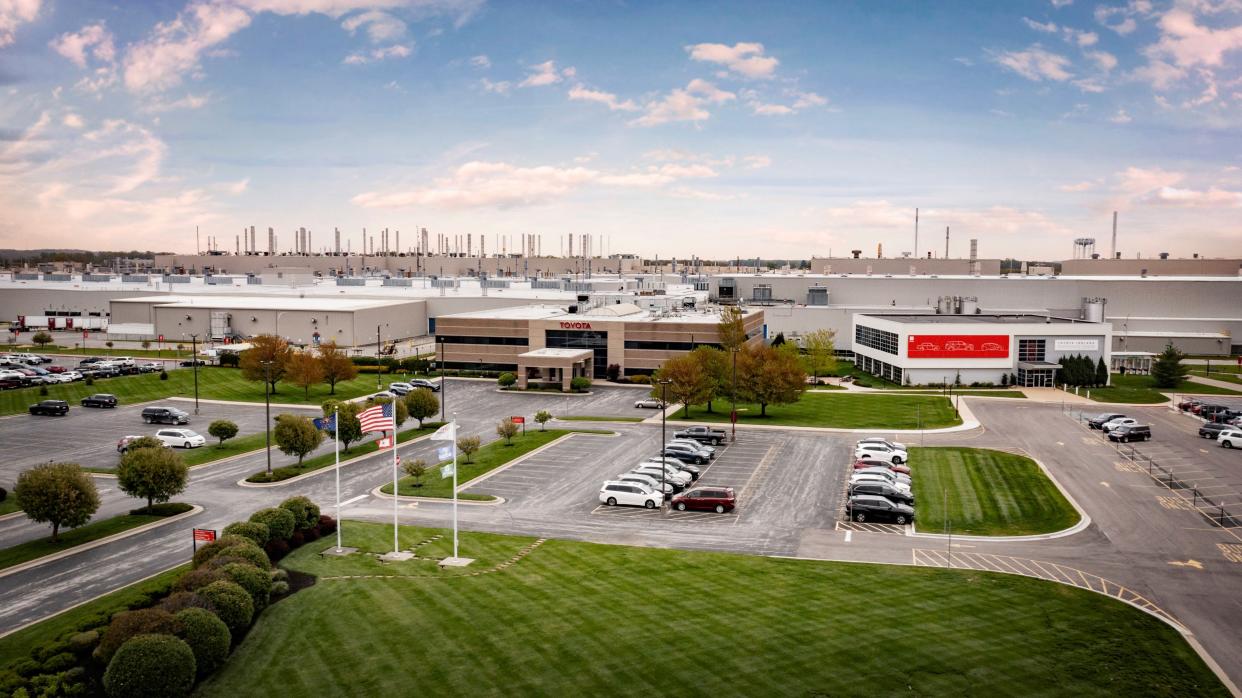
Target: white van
(1230, 438)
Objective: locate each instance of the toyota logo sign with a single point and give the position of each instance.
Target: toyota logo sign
(575, 325)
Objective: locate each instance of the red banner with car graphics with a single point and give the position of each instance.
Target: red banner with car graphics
(958, 346)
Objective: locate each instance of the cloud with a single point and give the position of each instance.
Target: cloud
(1092, 85)
(1122, 19)
(1083, 39)
(770, 109)
(158, 105)
(161, 61)
(501, 88)
(1212, 197)
(580, 93)
(462, 11)
(1058, 4)
(1047, 28)
(73, 120)
(677, 105)
(545, 74)
(757, 162)
(93, 38)
(964, 61)
(13, 14)
(381, 27)
(709, 92)
(480, 61)
(1121, 117)
(1036, 63)
(238, 187)
(809, 99)
(1189, 44)
(745, 59)
(881, 215)
(1105, 60)
(688, 193)
(1077, 187)
(378, 54)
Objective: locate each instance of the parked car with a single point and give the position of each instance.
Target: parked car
(875, 451)
(56, 369)
(702, 434)
(877, 440)
(29, 377)
(689, 468)
(164, 415)
(150, 367)
(9, 383)
(864, 507)
(1209, 411)
(192, 362)
(382, 395)
(889, 475)
(53, 408)
(58, 378)
(876, 477)
(73, 375)
(421, 383)
(1211, 430)
(646, 481)
(665, 473)
(686, 453)
(1100, 420)
(180, 437)
(1230, 438)
(882, 489)
(696, 445)
(90, 360)
(631, 494)
(653, 403)
(1130, 432)
(99, 400)
(1224, 416)
(400, 388)
(717, 499)
(1188, 403)
(872, 463)
(1118, 422)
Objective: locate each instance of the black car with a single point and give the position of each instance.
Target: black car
(882, 489)
(1100, 420)
(1210, 430)
(90, 360)
(164, 415)
(99, 400)
(54, 408)
(193, 362)
(1130, 432)
(865, 507)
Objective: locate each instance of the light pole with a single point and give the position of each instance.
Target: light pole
(379, 382)
(733, 397)
(663, 439)
(267, 410)
(194, 365)
(443, 380)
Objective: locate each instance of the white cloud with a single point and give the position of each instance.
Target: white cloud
(502, 87)
(381, 27)
(158, 105)
(757, 162)
(1036, 63)
(1122, 18)
(1121, 117)
(881, 215)
(160, 61)
(1189, 44)
(73, 120)
(745, 59)
(1058, 4)
(581, 93)
(762, 109)
(1105, 60)
(964, 61)
(480, 61)
(1083, 39)
(1211, 197)
(678, 105)
(237, 187)
(13, 14)
(1046, 27)
(378, 54)
(809, 99)
(709, 92)
(93, 38)
(1092, 85)
(1077, 187)
(460, 10)
(545, 74)
(688, 193)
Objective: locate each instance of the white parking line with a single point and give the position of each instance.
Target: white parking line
(355, 499)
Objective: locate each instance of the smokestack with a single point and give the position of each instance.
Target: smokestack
(946, 242)
(271, 241)
(237, 240)
(397, 245)
(1113, 251)
(336, 242)
(916, 233)
(197, 248)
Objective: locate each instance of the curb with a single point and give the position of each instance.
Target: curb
(495, 501)
(281, 405)
(545, 393)
(96, 543)
(327, 468)
(12, 515)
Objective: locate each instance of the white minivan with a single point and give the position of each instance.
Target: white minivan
(1230, 438)
(180, 438)
(629, 493)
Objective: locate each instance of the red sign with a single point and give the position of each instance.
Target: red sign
(161, 338)
(958, 346)
(85, 334)
(205, 535)
(518, 420)
(575, 325)
(384, 443)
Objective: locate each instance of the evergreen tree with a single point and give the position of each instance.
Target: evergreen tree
(1101, 373)
(1168, 369)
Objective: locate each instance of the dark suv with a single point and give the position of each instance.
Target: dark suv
(864, 507)
(1211, 430)
(882, 489)
(1130, 432)
(54, 408)
(164, 415)
(99, 400)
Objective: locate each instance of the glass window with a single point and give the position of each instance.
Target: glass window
(1031, 349)
(876, 339)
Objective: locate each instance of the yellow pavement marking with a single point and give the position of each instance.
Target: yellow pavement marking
(1175, 503)
(1188, 563)
(1231, 551)
(1127, 467)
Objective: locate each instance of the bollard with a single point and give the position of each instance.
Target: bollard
(1222, 516)
(1195, 500)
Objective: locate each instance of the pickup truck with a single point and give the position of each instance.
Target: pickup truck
(704, 435)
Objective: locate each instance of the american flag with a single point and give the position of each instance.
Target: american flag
(378, 418)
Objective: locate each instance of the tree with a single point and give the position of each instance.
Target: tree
(770, 376)
(468, 445)
(717, 367)
(421, 404)
(506, 379)
(57, 493)
(779, 340)
(820, 357)
(263, 349)
(688, 383)
(613, 372)
(416, 469)
(508, 430)
(146, 344)
(335, 365)
(304, 370)
(41, 338)
(542, 416)
(296, 435)
(154, 474)
(1101, 372)
(348, 429)
(222, 429)
(731, 329)
(1168, 369)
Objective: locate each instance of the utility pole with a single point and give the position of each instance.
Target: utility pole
(663, 438)
(443, 381)
(379, 382)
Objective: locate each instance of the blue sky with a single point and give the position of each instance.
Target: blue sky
(770, 129)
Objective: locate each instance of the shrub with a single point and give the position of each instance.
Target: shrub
(506, 379)
(43, 391)
(179, 601)
(27, 667)
(233, 605)
(4, 494)
(230, 360)
(279, 575)
(163, 375)
(128, 624)
(311, 533)
(41, 652)
(215, 547)
(89, 380)
(614, 371)
(251, 530)
(84, 643)
(580, 384)
(159, 666)
(305, 512)
(207, 636)
(223, 430)
(327, 524)
(249, 554)
(280, 522)
(256, 582)
(59, 662)
(280, 588)
(641, 379)
(162, 509)
(296, 540)
(276, 549)
(199, 578)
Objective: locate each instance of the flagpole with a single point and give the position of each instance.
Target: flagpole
(454, 485)
(396, 491)
(336, 432)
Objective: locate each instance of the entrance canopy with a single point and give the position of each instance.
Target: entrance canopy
(1037, 374)
(552, 365)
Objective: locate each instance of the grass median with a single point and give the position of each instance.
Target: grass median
(1230, 376)
(328, 459)
(587, 418)
(487, 459)
(1142, 390)
(989, 493)
(576, 618)
(73, 537)
(839, 410)
(9, 505)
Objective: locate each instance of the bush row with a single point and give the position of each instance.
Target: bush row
(176, 635)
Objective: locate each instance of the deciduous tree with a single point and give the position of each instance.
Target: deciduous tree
(716, 364)
(304, 370)
(335, 365)
(296, 435)
(820, 352)
(41, 338)
(543, 417)
(348, 429)
(222, 429)
(770, 376)
(731, 329)
(153, 474)
(468, 445)
(57, 493)
(507, 430)
(263, 349)
(421, 404)
(688, 383)
(416, 469)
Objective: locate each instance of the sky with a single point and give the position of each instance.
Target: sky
(777, 130)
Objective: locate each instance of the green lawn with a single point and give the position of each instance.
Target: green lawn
(990, 493)
(582, 418)
(214, 452)
(1141, 390)
(213, 384)
(324, 460)
(1229, 375)
(840, 410)
(488, 458)
(92, 614)
(169, 351)
(9, 505)
(585, 619)
(73, 537)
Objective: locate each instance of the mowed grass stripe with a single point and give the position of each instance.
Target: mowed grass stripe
(990, 493)
(839, 410)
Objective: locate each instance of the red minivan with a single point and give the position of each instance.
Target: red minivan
(717, 499)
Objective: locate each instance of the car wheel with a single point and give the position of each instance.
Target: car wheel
(649, 504)
(719, 508)
(1227, 444)
(715, 442)
(612, 501)
(860, 517)
(186, 445)
(896, 460)
(681, 506)
(145, 420)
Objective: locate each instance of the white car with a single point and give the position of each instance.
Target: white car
(670, 474)
(647, 481)
(1120, 421)
(654, 403)
(400, 388)
(885, 473)
(382, 395)
(880, 452)
(124, 361)
(876, 477)
(183, 438)
(1230, 438)
(879, 440)
(58, 378)
(73, 375)
(630, 494)
(695, 445)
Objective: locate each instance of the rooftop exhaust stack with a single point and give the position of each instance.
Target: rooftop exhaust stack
(1113, 251)
(946, 242)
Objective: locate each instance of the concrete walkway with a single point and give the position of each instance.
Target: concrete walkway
(1214, 383)
(1055, 395)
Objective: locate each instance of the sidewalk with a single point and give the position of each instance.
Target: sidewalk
(1214, 383)
(1055, 395)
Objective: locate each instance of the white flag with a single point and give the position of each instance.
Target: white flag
(448, 432)
(444, 452)
(446, 471)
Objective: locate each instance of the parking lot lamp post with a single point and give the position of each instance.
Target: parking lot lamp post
(733, 396)
(443, 380)
(267, 410)
(663, 426)
(379, 382)
(194, 364)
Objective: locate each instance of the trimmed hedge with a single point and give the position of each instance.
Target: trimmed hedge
(199, 578)
(128, 624)
(181, 600)
(256, 582)
(207, 636)
(305, 512)
(212, 549)
(280, 522)
(162, 509)
(248, 554)
(233, 605)
(255, 531)
(159, 666)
